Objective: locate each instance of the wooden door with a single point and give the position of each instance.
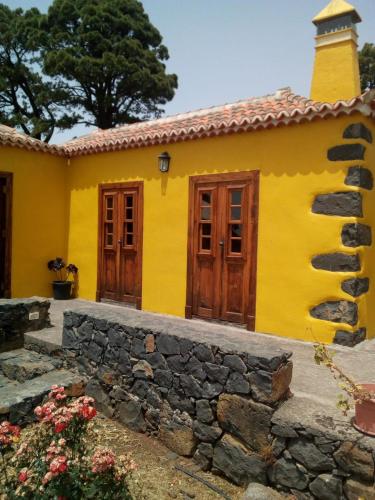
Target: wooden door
(222, 247)
(5, 233)
(120, 243)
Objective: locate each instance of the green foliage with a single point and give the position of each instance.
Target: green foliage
(58, 457)
(109, 57)
(97, 62)
(367, 66)
(28, 100)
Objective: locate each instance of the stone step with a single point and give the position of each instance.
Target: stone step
(22, 365)
(47, 341)
(18, 400)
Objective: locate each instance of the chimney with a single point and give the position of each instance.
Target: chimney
(336, 68)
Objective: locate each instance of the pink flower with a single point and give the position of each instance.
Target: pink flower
(23, 475)
(57, 393)
(58, 465)
(102, 460)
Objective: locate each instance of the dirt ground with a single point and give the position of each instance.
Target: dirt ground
(156, 477)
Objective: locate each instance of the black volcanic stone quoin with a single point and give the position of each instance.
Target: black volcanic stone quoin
(356, 235)
(350, 339)
(360, 177)
(340, 311)
(358, 131)
(347, 152)
(337, 262)
(356, 286)
(344, 204)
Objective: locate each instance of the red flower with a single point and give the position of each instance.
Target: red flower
(23, 476)
(60, 426)
(62, 467)
(58, 465)
(88, 412)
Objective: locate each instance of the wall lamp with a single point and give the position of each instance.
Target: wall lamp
(164, 161)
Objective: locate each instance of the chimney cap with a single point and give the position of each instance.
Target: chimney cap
(337, 8)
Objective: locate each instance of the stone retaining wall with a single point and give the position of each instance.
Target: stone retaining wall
(210, 395)
(18, 316)
(318, 454)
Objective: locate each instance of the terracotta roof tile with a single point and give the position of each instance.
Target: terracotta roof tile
(274, 110)
(281, 108)
(11, 137)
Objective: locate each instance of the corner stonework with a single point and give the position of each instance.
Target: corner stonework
(353, 235)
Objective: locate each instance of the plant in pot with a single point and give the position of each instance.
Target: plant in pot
(361, 396)
(62, 286)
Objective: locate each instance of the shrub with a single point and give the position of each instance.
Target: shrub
(58, 459)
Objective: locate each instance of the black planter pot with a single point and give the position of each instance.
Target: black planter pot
(62, 290)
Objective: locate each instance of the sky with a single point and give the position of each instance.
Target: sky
(226, 50)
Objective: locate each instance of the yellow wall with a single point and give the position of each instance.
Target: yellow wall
(294, 168)
(368, 301)
(39, 217)
(336, 72)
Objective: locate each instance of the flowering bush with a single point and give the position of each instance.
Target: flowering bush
(58, 459)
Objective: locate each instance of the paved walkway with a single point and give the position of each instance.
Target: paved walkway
(309, 380)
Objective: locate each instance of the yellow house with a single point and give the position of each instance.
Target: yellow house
(257, 213)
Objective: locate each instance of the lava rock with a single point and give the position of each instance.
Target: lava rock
(347, 152)
(256, 491)
(196, 368)
(238, 463)
(271, 387)
(178, 438)
(142, 369)
(235, 363)
(326, 487)
(356, 286)
(167, 344)
(344, 204)
(207, 433)
(164, 378)
(191, 386)
(350, 339)
(285, 473)
(356, 235)
(237, 384)
(245, 419)
(131, 415)
(157, 361)
(102, 400)
(336, 311)
(355, 490)
(203, 353)
(359, 463)
(358, 131)
(204, 411)
(336, 262)
(211, 390)
(217, 373)
(306, 453)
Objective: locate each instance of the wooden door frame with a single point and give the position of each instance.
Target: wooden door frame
(121, 185)
(8, 233)
(227, 177)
